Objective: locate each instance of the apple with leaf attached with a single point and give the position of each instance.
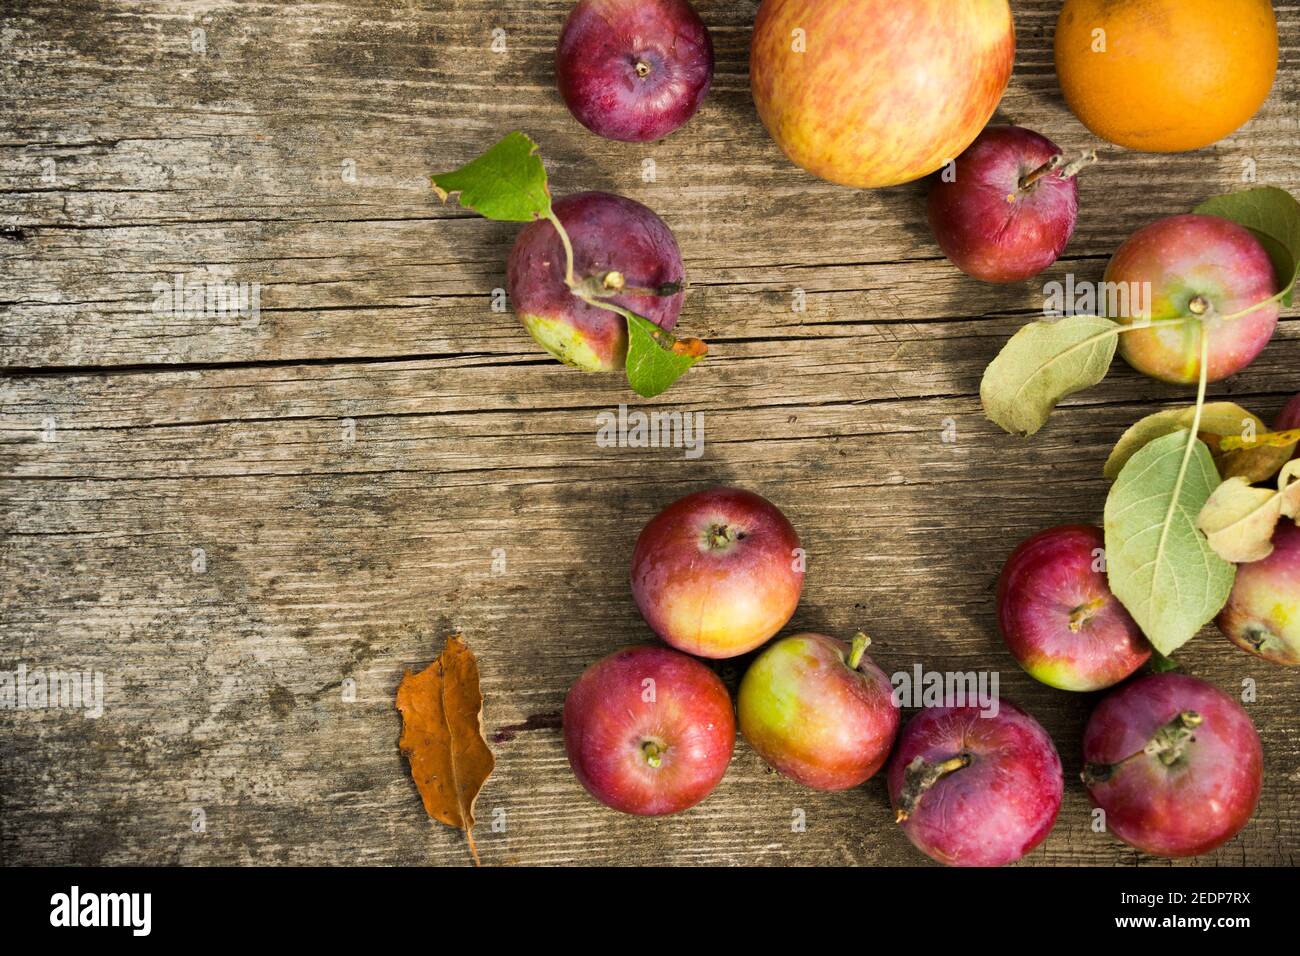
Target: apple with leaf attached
(595, 278)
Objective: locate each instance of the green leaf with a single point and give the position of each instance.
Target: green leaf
(1160, 664)
(1042, 364)
(1159, 564)
(507, 183)
(1273, 215)
(654, 358)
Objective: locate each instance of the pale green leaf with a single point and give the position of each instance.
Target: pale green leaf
(1042, 364)
(1160, 566)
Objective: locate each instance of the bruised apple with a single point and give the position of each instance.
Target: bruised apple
(718, 572)
(872, 93)
(818, 710)
(1174, 762)
(648, 730)
(975, 790)
(609, 234)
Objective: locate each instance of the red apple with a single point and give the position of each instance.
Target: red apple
(1199, 266)
(1010, 208)
(818, 710)
(1175, 763)
(1290, 417)
(971, 790)
(1263, 612)
(648, 730)
(718, 572)
(1058, 616)
(634, 70)
(609, 234)
(873, 93)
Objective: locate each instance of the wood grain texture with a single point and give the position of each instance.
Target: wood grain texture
(351, 463)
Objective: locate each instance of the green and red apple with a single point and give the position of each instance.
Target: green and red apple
(818, 710)
(1199, 267)
(718, 572)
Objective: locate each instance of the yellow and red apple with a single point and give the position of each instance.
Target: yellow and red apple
(872, 93)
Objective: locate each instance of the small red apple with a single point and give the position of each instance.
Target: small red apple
(648, 730)
(1011, 207)
(1198, 267)
(1058, 615)
(974, 790)
(1175, 763)
(718, 572)
(818, 710)
(634, 70)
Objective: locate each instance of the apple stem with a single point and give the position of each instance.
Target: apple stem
(1050, 166)
(653, 755)
(1199, 305)
(1083, 613)
(1170, 741)
(860, 644)
(1079, 164)
(609, 284)
(920, 776)
(720, 535)
(1168, 744)
(642, 69)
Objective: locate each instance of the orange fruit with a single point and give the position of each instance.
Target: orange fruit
(1166, 76)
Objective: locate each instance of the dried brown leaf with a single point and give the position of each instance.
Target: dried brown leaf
(1240, 520)
(442, 736)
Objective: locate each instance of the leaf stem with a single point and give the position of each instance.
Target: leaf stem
(568, 247)
(1192, 439)
(1233, 316)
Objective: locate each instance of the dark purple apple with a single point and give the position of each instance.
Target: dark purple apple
(718, 572)
(634, 70)
(1058, 616)
(648, 730)
(1263, 613)
(1011, 209)
(971, 790)
(609, 234)
(818, 710)
(1175, 763)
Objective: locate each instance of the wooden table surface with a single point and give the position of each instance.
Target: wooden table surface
(236, 522)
